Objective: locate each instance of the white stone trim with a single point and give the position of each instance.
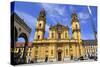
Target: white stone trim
(67, 59)
(52, 60)
(40, 60)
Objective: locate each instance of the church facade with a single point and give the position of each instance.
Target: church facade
(59, 46)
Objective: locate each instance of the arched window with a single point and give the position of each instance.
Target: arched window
(66, 35)
(52, 35)
(38, 36)
(70, 46)
(40, 25)
(66, 51)
(76, 26)
(23, 36)
(59, 35)
(51, 52)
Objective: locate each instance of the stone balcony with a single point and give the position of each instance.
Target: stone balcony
(56, 41)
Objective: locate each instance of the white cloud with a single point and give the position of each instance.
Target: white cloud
(55, 11)
(83, 16)
(83, 21)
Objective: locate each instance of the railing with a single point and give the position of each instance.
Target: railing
(56, 41)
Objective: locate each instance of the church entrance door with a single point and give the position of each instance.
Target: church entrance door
(59, 56)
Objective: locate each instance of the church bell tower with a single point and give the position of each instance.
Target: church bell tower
(40, 26)
(76, 34)
(75, 27)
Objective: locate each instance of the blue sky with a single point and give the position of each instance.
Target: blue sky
(55, 13)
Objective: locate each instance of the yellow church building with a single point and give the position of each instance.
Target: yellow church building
(59, 46)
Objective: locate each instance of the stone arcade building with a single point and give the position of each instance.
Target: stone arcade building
(19, 29)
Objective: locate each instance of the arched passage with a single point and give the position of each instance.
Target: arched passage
(23, 35)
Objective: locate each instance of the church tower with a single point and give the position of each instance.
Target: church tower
(75, 27)
(40, 26)
(76, 34)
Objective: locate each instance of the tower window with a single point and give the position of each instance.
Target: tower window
(76, 27)
(51, 52)
(59, 35)
(66, 35)
(52, 35)
(40, 25)
(66, 51)
(70, 46)
(38, 36)
(36, 52)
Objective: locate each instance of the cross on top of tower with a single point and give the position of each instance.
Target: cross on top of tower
(42, 14)
(74, 16)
